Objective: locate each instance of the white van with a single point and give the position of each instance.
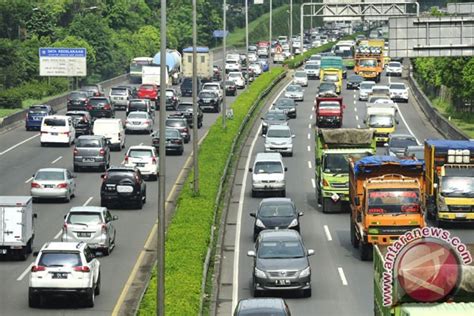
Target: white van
(268, 174)
(57, 129)
(112, 129)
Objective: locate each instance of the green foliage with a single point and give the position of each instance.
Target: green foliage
(10, 99)
(188, 236)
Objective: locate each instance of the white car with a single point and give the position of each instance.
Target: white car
(237, 78)
(301, 78)
(252, 57)
(65, 268)
(365, 88)
(139, 122)
(256, 68)
(312, 70)
(214, 86)
(232, 65)
(51, 183)
(145, 158)
(394, 68)
(57, 129)
(279, 139)
(398, 91)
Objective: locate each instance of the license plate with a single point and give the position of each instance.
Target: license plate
(460, 215)
(54, 134)
(59, 275)
(88, 160)
(83, 234)
(140, 164)
(283, 282)
(124, 189)
(136, 123)
(49, 186)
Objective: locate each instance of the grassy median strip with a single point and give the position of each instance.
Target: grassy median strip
(188, 236)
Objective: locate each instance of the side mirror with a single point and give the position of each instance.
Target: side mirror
(65, 215)
(102, 175)
(253, 214)
(262, 118)
(115, 217)
(357, 201)
(385, 145)
(365, 121)
(310, 252)
(250, 170)
(300, 214)
(74, 176)
(397, 121)
(293, 136)
(286, 168)
(35, 215)
(251, 253)
(318, 161)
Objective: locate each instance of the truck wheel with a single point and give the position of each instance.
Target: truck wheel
(319, 194)
(326, 205)
(23, 254)
(354, 240)
(365, 251)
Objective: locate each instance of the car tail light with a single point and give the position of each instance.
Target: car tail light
(104, 229)
(126, 159)
(85, 269)
(75, 152)
(65, 228)
(61, 186)
(38, 268)
(35, 185)
(89, 107)
(66, 133)
(101, 152)
(107, 107)
(153, 160)
(176, 141)
(185, 130)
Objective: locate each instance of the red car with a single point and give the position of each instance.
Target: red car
(148, 91)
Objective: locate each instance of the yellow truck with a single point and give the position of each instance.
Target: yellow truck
(332, 75)
(449, 180)
(385, 199)
(369, 59)
(382, 118)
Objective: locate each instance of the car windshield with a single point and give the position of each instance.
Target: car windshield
(78, 95)
(382, 201)
(275, 116)
(397, 86)
(276, 210)
(54, 122)
(311, 66)
(402, 142)
(268, 167)
(368, 62)
(294, 88)
(87, 218)
(366, 86)
(284, 103)
(380, 121)
(332, 78)
(278, 133)
(280, 250)
(206, 95)
(178, 123)
(50, 175)
(394, 64)
(417, 153)
(98, 101)
(140, 153)
(88, 143)
(118, 91)
(185, 107)
(147, 87)
(457, 186)
(300, 74)
(60, 259)
(140, 115)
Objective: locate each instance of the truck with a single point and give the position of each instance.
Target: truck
(332, 69)
(329, 111)
(334, 148)
(205, 69)
(381, 117)
(151, 75)
(460, 302)
(278, 57)
(136, 66)
(16, 226)
(449, 180)
(385, 200)
(346, 50)
(369, 59)
(173, 64)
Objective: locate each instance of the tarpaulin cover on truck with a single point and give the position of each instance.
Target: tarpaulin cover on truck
(354, 136)
(367, 164)
(438, 309)
(444, 145)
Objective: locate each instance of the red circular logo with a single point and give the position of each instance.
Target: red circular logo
(428, 271)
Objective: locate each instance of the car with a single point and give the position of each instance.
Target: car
(295, 92)
(397, 143)
(262, 306)
(64, 268)
(217, 73)
(281, 263)
(380, 99)
(174, 142)
(91, 151)
(95, 89)
(187, 86)
(112, 130)
(120, 97)
(398, 91)
(354, 81)
(252, 57)
(90, 224)
(230, 88)
(327, 89)
(279, 139)
(256, 68)
(181, 124)
(145, 159)
(214, 86)
(57, 129)
(365, 88)
(122, 186)
(415, 152)
(394, 68)
(232, 65)
(100, 107)
(141, 105)
(77, 101)
(312, 70)
(316, 58)
(288, 106)
(139, 122)
(273, 117)
(148, 91)
(82, 122)
(268, 174)
(49, 183)
(172, 99)
(300, 78)
(209, 101)
(186, 110)
(35, 115)
(238, 78)
(264, 63)
(275, 213)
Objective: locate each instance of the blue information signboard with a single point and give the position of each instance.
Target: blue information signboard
(219, 33)
(63, 61)
(62, 52)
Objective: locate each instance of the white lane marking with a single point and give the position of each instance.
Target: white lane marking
(311, 117)
(342, 276)
(58, 234)
(309, 148)
(24, 273)
(313, 183)
(357, 117)
(19, 144)
(309, 135)
(235, 281)
(309, 125)
(406, 124)
(328, 233)
(355, 109)
(309, 165)
(88, 201)
(28, 180)
(355, 102)
(56, 160)
(358, 125)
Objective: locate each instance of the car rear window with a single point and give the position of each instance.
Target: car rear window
(139, 115)
(117, 176)
(206, 95)
(272, 210)
(147, 87)
(138, 105)
(78, 95)
(88, 143)
(175, 123)
(98, 101)
(38, 109)
(54, 122)
(86, 218)
(60, 259)
(183, 107)
(50, 175)
(140, 153)
(117, 91)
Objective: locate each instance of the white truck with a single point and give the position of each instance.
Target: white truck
(16, 226)
(204, 65)
(383, 118)
(151, 75)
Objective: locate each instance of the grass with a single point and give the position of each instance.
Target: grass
(462, 120)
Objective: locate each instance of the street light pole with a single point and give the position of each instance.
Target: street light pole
(291, 27)
(247, 42)
(224, 107)
(270, 28)
(195, 110)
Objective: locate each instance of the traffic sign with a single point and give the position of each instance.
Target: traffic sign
(63, 61)
(219, 33)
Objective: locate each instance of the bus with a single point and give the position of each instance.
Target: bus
(346, 50)
(136, 66)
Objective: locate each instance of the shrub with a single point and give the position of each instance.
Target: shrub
(10, 99)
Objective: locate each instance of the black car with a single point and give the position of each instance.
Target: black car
(262, 307)
(230, 88)
(82, 121)
(281, 263)
(77, 101)
(327, 89)
(187, 86)
(287, 105)
(276, 213)
(273, 117)
(185, 109)
(122, 186)
(100, 107)
(180, 124)
(353, 81)
(209, 101)
(172, 99)
(174, 141)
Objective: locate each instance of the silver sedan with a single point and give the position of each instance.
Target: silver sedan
(295, 92)
(51, 183)
(139, 122)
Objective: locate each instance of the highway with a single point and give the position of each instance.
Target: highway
(20, 157)
(341, 283)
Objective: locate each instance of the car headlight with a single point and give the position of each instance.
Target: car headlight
(260, 273)
(305, 272)
(264, 123)
(259, 223)
(293, 223)
(442, 207)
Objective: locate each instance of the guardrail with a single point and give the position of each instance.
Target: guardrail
(58, 103)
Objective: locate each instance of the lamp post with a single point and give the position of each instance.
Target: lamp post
(270, 29)
(224, 105)
(195, 109)
(291, 28)
(247, 42)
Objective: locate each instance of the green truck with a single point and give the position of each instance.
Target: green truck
(332, 63)
(333, 149)
(459, 302)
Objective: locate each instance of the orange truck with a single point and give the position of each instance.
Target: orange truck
(386, 200)
(369, 59)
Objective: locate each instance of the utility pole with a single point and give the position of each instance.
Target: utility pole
(247, 42)
(160, 300)
(270, 29)
(291, 28)
(195, 110)
(224, 39)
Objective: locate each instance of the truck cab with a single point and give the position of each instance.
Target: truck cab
(329, 111)
(381, 117)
